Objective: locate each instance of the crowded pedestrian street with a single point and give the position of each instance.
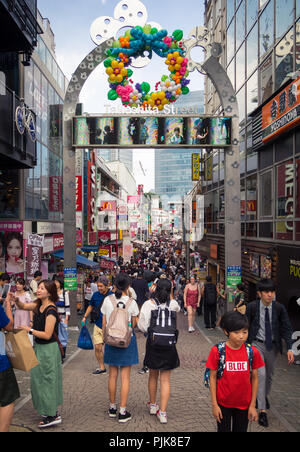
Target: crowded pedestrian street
(85, 395)
(150, 219)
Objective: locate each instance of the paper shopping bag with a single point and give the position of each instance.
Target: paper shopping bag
(20, 351)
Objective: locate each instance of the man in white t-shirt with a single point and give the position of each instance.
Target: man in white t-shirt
(37, 277)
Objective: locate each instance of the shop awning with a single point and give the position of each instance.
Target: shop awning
(79, 259)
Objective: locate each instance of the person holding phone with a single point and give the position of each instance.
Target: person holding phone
(4, 281)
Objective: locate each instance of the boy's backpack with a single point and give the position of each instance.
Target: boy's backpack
(222, 361)
(163, 326)
(118, 332)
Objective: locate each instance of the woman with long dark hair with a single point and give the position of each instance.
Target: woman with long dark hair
(160, 360)
(46, 378)
(122, 358)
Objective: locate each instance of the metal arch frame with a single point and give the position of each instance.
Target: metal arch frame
(210, 67)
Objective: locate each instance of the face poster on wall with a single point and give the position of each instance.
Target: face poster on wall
(12, 246)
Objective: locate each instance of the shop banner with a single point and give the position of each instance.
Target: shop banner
(78, 193)
(282, 112)
(133, 199)
(55, 193)
(195, 167)
(35, 245)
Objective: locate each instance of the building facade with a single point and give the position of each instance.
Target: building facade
(260, 42)
(173, 167)
(31, 192)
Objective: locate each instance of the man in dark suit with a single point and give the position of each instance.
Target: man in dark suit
(268, 325)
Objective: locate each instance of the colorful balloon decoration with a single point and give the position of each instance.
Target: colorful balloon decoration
(134, 44)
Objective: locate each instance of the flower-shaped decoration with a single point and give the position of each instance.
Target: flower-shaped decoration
(133, 45)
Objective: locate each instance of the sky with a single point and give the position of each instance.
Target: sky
(70, 21)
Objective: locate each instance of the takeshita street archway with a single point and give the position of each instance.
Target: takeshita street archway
(104, 31)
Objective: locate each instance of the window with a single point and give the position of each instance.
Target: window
(284, 58)
(230, 42)
(251, 194)
(266, 79)
(240, 67)
(266, 22)
(252, 93)
(284, 16)
(252, 51)
(252, 12)
(240, 24)
(266, 198)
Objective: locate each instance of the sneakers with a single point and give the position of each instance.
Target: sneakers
(153, 408)
(99, 371)
(123, 418)
(50, 421)
(162, 417)
(191, 329)
(144, 370)
(112, 412)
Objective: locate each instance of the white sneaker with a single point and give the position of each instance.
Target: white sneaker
(191, 329)
(162, 417)
(153, 408)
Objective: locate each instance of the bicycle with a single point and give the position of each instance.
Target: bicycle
(25, 120)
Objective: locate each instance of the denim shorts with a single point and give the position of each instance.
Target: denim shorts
(9, 389)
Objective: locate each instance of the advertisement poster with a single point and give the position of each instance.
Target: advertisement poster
(11, 248)
(265, 267)
(70, 280)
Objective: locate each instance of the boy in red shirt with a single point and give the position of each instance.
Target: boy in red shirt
(234, 394)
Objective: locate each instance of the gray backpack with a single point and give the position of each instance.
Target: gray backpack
(118, 332)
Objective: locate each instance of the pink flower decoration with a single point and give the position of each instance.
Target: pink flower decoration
(168, 41)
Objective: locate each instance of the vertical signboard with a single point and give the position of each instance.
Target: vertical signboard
(195, 167)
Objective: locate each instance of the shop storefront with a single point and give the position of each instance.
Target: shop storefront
(289, 282)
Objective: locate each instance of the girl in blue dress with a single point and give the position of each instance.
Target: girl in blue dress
(122, 358)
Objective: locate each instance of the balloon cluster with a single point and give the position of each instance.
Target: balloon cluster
(134, 44)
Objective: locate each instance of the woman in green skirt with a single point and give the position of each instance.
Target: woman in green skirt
(46, 378)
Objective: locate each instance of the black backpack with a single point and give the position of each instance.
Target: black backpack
(163, 326)
(210, 294)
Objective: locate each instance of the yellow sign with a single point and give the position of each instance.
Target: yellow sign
(196, 167)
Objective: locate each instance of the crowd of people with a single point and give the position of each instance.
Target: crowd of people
(152, 288)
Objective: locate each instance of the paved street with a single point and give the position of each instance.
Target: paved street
(86, 399)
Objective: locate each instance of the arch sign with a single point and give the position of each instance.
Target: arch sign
(120, 56)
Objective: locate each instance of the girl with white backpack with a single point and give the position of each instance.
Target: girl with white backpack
(158, 319)
(116, 356)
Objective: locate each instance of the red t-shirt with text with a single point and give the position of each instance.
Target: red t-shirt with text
(234, 388)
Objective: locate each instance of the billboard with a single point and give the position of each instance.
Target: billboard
(149, 131)
(282, 112)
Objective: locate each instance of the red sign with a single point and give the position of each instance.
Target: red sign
(55, 194)
(282, 112)
(133, 199)
(92, 195)
(104, 236)
(108, 206)
(107, 264)
(79, 238)
(58, 241)
(78, 193)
